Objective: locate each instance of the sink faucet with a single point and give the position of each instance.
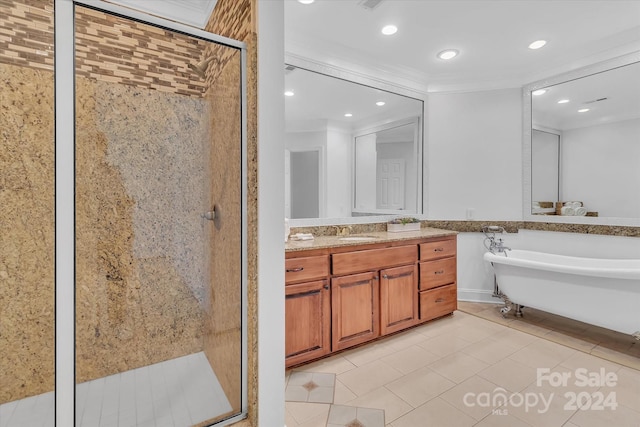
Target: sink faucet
(343, 231)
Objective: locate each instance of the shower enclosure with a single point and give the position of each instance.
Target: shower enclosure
(150, 226)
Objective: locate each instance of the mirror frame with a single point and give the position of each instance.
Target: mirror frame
(362, 79)
(526, 142)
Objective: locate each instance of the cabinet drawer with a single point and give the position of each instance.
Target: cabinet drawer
(438, 302)
(307, 268)
(373, 259)
(437, 249)
(437, 273)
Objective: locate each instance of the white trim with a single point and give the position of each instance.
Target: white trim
(65, 214)
(477, 295)
(245, 241)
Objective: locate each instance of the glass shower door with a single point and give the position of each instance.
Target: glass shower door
(158, 202)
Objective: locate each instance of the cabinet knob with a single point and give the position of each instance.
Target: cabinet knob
(439, 272)
(438, 250)
(384, 276)
(326, 287)
(294, 270)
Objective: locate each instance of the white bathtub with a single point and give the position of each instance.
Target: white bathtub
(602, 292)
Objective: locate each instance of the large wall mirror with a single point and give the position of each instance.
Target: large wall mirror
(351, 150)
(582, 144)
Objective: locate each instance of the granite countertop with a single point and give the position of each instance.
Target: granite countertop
(320, 242)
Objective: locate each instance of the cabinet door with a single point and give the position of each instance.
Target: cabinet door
(354, 309)
(398, 298)
(307, 321)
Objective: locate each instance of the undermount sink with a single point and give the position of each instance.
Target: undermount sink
(357, 238)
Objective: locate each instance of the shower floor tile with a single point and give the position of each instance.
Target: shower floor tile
(179, 392)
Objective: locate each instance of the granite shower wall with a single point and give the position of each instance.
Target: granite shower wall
(26, 199)
(26, 230)
(140, 254)
(138, 302)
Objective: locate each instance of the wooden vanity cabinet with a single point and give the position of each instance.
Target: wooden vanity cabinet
(339, 297)
(398, 298)
(438, 278)
(354, 309)
(307, 309)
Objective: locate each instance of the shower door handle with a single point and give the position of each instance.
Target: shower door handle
(211, 215)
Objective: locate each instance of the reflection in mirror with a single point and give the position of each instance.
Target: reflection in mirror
(596, 121)
(325, 172)
(545, 167)
(385, 173)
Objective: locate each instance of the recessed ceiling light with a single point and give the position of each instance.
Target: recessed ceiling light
(348, 115)
(289, 93)
(563, 101)
(448, 54)
(583, 110)
(537, 44)
(380, 103)
(306, 1)
(387, 30)
(539, 92)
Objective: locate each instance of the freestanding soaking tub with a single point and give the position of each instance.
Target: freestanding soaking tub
(602, 292)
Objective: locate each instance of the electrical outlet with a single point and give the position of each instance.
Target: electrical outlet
(471, 213)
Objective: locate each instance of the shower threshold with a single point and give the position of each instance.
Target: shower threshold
(178, 392)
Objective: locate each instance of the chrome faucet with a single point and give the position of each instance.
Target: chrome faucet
(343, 231)
(498, 246)
(495, 244)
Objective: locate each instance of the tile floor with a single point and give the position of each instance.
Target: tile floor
(465, 370)
(178, 392)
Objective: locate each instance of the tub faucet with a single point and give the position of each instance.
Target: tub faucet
(498, 246)
(492, 243)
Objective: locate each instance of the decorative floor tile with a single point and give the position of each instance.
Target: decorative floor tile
(352, 416)
(316, 387)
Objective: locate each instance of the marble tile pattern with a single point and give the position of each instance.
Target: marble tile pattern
(26, 232)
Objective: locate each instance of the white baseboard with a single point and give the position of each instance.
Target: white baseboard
(477, 295)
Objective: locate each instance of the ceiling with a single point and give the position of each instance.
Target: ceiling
(491, 35)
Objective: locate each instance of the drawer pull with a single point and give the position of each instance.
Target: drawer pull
(440, 300)
(438, 250)
(439, 272)
(294, 270)
(326, 287)
(384, 276)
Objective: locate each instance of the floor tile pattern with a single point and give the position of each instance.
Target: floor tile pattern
(442, 373)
